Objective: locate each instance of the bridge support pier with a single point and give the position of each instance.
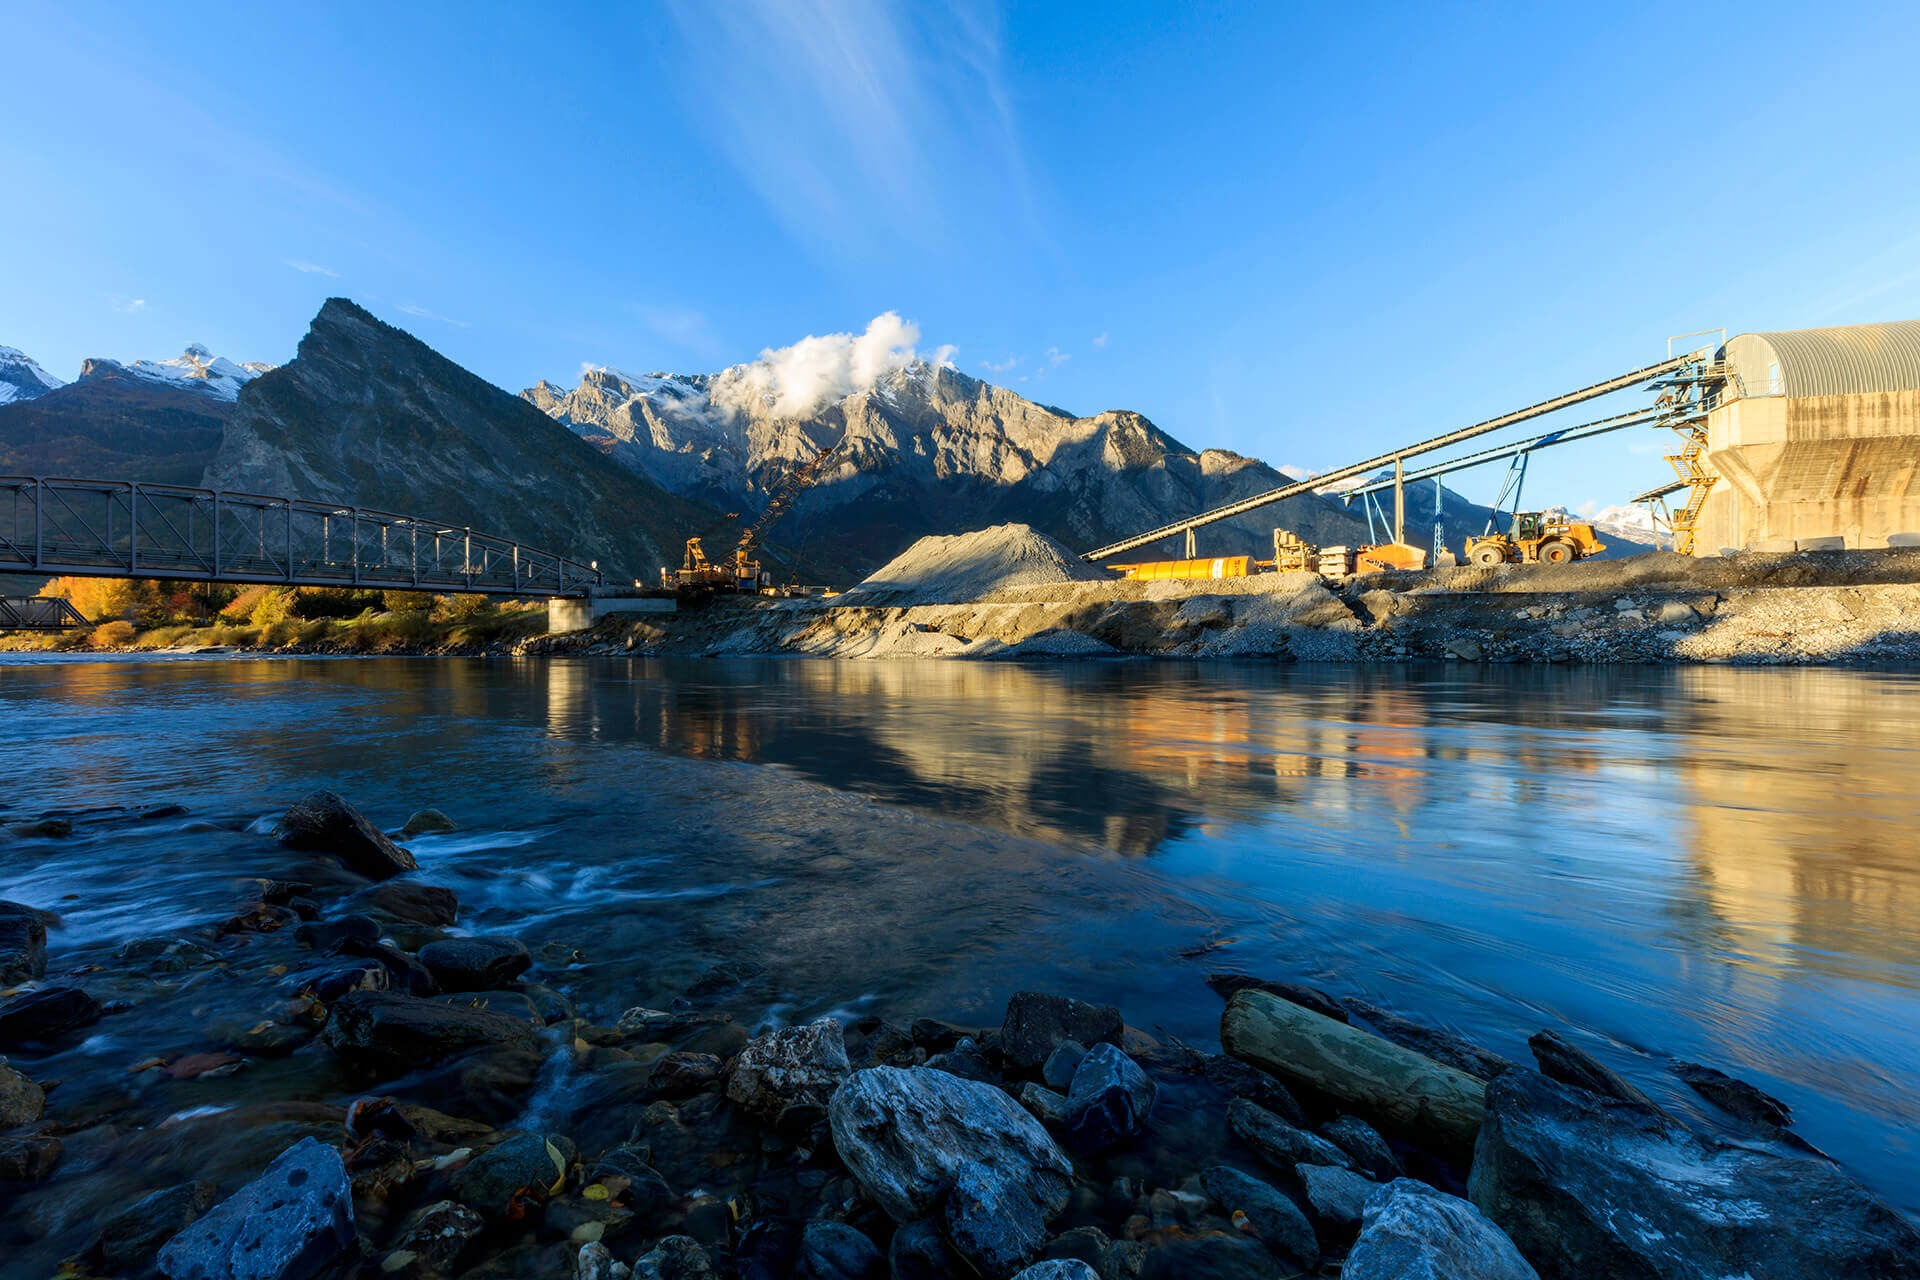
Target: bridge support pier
(568, 614)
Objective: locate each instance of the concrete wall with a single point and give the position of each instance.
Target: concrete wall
(1813, 469)
(572, 613)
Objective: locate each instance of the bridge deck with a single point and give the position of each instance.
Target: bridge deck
(124, 529)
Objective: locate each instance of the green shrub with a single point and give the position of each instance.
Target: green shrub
(463, 607)
(334, 602)
(407, 601)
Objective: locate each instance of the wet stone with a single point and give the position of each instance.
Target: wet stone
(438, 1236)
(475, 964)
(287, 1224)
(29, 1158)
(35, 1017)
(677, 1075)
(632, 1181)
(130, 1239)
(325, 823)
(23, 944)
(1735, 1097)
(1225, 984)
(1272, 1217)
(404, 973)
(1413, 1232)
(1037, 1023)
(410, 901)
(1336, 1196)
(1061, 1064)
(835, 1251)
(427, 822)
(1568, 1063)
(526, 1166)
(1214, 1257)
(21, 1100)
(675, 1258)
(325, 935)
(1370, 1152)
(167, 955)
(920, 1252)
(992, 1223)
(1244, 1080)
(1277, 1142)
(386, 1030)
(792, 1065)
(1110, 1100)
(1059, 1269)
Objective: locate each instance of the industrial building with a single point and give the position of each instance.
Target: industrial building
(1813, 440)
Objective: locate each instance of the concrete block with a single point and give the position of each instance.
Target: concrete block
(1903, 539)
(1776, 545)
(1821, 544)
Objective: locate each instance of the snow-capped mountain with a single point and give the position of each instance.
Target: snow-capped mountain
(196, 369)
(1626, 523)
(21, 378)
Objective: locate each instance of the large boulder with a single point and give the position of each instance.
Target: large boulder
(23, 944)
(34, 1017)
(21, 1100)
(1109, 1100)
(389, 1031)
(906, 1133)
(475, 964)
(1560, 1059)
(801, 1065)
(1037, 1023)
(1591, 1187)
(1412, 1232)
(1271, 1216)
(325, 823)
(1423, 1099)
(286, 1224)
(993, 1222)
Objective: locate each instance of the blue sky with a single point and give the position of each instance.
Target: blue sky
(1305, 233)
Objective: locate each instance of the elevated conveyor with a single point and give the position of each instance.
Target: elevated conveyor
(1398, 457)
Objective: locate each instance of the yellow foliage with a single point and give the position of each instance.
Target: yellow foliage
(112, 635)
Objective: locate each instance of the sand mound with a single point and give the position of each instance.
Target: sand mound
(967, 566)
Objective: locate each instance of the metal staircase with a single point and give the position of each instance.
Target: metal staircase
(1693, 473)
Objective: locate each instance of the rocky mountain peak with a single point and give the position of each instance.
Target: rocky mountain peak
(21, 377)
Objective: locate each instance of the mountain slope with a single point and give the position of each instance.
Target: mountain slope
(930, 450)
(21, 378)
(369, 415)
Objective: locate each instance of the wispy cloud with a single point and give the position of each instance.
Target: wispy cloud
(1100, 341)
(131, 306)
(684, 327)
(414, 309)
(1056, 357)
(859, 122)
(311, 268)
(1002, 367)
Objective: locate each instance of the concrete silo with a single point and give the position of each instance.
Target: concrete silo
(1815, 440)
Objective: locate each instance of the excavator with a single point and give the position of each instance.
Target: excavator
(740, 571)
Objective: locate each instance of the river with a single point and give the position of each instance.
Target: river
(1705, 863)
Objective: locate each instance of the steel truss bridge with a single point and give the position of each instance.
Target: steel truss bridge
(124, 529)
(39, 613)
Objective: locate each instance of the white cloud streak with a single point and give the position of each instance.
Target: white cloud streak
(311, 268)
(414, 309)
(131, 306)
(1100, 341)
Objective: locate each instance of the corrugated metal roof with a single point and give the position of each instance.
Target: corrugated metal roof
(1845, 360)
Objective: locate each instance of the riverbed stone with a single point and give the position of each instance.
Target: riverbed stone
(920, 1252)
(1274, 1218)
(1442, 1046)
(521, 1165)
(1410, 1231)
(404, 973)
(1591, 1187)
(906, 1133)
(632, 1180)
(21, 1100)
(1037, 1023)
(389, 1031)
(674, 1258)
(436, 1237)
(28, 1157)
(1042, 1103)
(23, 944)
(167, 954)
(1213, 1257)
(1562, 1060)
(992, 1221)
(427, 822)
(325, 823)
(1735, 1097)
(129, 1239)
(1423, 1099)
(1057, 1072)
(287, 1224)
(475, 964)
(1225, 984)
(1110, 1100)
(1244, 1080)
(1059, 1269)
(325, 935)
(408, 901)
(34, 1017)
(328, 982)
(1370, 1152)
(794, 1065)
(1277, 1142)
(836, 1251)
(1336, 1196)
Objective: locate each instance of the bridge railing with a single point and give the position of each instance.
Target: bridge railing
(105, 528)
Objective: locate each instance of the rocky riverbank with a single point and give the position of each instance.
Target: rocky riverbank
(1802, 608)
(403, 1098)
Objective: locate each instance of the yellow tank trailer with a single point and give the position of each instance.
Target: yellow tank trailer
(1218, 567)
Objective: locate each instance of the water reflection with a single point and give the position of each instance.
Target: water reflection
(1711, 863)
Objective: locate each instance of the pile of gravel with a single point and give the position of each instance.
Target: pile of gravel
(968, 566)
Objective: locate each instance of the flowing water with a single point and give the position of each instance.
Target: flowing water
(1712, 864)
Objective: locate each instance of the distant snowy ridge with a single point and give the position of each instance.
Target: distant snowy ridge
(21, 378)
(196, 369)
